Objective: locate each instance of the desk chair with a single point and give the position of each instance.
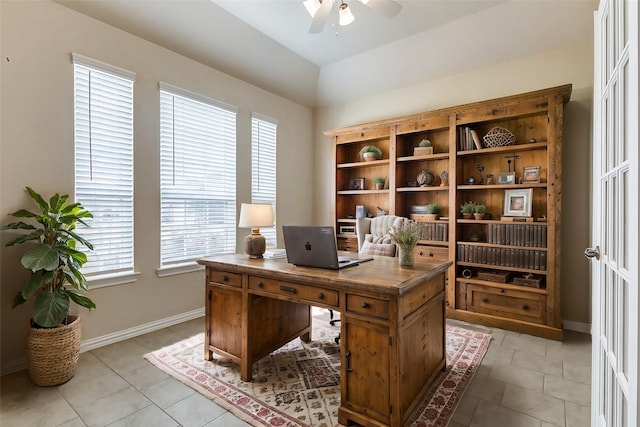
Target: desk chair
(373, 239)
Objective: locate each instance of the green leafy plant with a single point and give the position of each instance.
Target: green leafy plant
(433, 208)
(425, 143)
(480, 209)
(370, 149)
(378, 180)
(406, 236)
(467, 207)
(53, 259)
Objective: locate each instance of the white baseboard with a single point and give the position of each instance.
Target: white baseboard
(577, 326)
(93, 343)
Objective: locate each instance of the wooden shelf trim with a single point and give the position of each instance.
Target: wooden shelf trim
(502, 267)
(502, 186)
(419, 189)
(352, 192)
(437, 156)
(495, 245)
(510, 286)
(380, 162)
(508, 149)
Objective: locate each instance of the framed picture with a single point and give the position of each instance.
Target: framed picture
(356, 184)
(517, 202)
(507, 178)
(530, 174)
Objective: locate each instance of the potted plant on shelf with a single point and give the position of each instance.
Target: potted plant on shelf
(466, 209)
(423, 148)
(378, 182)
(432, 211)
(54, 262)
(479, 210)
(370, 152)
(406, 237)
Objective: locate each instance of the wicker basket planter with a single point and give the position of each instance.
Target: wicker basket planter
(53, 353)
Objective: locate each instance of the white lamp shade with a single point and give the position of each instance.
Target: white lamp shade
(312, 6)
(254, 215)
(346, 17)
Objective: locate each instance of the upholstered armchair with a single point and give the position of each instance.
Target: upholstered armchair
(373, 234)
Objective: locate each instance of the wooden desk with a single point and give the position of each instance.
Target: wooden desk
(392, 325)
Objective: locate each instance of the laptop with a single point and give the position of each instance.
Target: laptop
(315, 246)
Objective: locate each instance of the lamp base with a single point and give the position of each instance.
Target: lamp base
(255, 245)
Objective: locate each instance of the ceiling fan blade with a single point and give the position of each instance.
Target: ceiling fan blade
(320, 18)
(388, 8)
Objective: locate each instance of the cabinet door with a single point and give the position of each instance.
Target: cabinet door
(365, 368)
(225, 324)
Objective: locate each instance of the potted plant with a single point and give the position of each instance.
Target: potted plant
(466, 209)
(479, 210)
(432, 209)
(424, 147)
(378, 182)
(406, 237)
(54, 262)
(370, 152)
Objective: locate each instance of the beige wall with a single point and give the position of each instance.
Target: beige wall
(552, 68)
(37, 149)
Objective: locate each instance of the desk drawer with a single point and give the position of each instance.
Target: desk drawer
(312, 294)
(431, 253)
(225, 278)
(517, 305)
(368, 306)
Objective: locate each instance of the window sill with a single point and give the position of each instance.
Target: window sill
(104, 280)
(179, 269)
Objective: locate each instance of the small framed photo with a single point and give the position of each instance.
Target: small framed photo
(356, 184)
(530, 174)
(518, 202)
(507, 178)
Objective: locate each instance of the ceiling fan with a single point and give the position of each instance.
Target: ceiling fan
(320, 10)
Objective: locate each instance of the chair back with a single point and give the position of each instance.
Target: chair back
(378, 227)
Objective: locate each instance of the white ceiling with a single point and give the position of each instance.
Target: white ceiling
(267, 43)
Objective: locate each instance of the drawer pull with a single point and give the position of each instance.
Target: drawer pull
(260, 285)
(347, 359)
(364, 304)
(525, 307)
(288, 289)
(225, 278)
(320, 295)
(502, 291)
(485, 300)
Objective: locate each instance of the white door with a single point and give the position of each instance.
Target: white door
(614, 251)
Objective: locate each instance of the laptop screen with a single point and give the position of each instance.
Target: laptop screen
(311, 246)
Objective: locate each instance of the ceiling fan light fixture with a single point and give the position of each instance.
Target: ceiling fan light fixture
(312, 6)
(364, 1)
(346, 17)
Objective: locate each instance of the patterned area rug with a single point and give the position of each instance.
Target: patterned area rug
(299, 384)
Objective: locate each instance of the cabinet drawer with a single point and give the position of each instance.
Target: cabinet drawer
(431, 253)
(368, 306)
(225, 278)
(506, 303)
(347, 244)
(306, 292)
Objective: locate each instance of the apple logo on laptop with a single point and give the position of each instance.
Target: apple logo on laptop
(307, 246)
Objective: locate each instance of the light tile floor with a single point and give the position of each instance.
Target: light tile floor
(523, 381)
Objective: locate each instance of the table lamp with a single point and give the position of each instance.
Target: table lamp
(254, 216)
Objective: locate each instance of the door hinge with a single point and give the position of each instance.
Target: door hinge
(390, 341)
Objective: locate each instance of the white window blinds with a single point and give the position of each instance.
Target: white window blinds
(263, 168)
(103, 96)
(198, 177)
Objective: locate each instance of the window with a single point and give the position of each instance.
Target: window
(198, 178)
(104, 165)
(263, 168)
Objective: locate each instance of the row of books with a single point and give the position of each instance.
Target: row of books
(468, 139)
(504, 257)
(518, 235)
(434, 231)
